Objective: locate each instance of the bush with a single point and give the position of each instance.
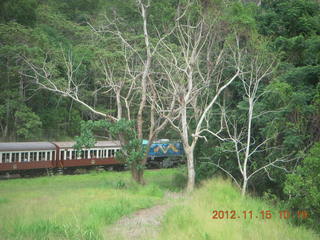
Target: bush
(205, 171)
(303, 187)
(179, 180)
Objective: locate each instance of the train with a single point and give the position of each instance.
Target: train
(22, 157)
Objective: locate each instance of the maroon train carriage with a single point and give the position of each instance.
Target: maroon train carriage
(101, 154)
(27, 155)
(18, 156)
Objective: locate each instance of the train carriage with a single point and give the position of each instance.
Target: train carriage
(19, 156)
(101, 154)
(27, 155)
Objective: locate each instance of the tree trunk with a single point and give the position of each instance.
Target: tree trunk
(119, 106)
(191, 171)
(189, 149)
(244, 187)
(137, 174)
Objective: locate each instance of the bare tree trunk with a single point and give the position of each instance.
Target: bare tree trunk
(244, 187)
(145, 72)
(188, 149)
(119, 106)
(191, 171)
(247, 153)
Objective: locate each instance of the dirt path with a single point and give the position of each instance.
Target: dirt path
(143, 224)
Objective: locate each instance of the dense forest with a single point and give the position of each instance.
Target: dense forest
(236, 81)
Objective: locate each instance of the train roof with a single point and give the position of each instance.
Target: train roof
(98, 144)
(26, 146)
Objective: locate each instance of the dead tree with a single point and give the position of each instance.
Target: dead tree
(256, 68)
(195, 73)
(130, 88)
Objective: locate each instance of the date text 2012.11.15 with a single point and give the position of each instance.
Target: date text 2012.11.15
(263, 214)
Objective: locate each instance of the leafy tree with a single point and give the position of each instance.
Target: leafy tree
(132, 149)
(28, 124)
(303, 187)
(20, 11)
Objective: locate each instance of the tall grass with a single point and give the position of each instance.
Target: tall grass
(75, 207)
(191, 219)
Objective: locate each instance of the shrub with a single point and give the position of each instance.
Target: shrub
(204, 171)
(303, 187)
(179, 180)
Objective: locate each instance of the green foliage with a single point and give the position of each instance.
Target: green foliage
(21, 11)
(131, 153)
(289, 17)
(28, 124)
(303, 187)
(205, 170)
(180, 179)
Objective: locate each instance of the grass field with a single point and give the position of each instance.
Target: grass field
(75, 207)
(82, 206)
(191, 219)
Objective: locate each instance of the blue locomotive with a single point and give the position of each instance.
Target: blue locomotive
(165, 153)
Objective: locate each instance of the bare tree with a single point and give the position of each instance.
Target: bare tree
(257, 67)
(195, 70)
(129, 86)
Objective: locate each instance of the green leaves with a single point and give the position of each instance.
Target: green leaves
(132, 151)
(28, 124)
(303, 186)
(21, 11)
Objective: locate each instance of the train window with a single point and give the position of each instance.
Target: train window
(73, 156)
(86, 154)
(48, 156)
(62, 155)
(42, 156)
(33, 156)
(67, 155)
(5, 157)
(14, 157)
(112, 152)
(109, 153)
(53, 155)
(24, 157)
